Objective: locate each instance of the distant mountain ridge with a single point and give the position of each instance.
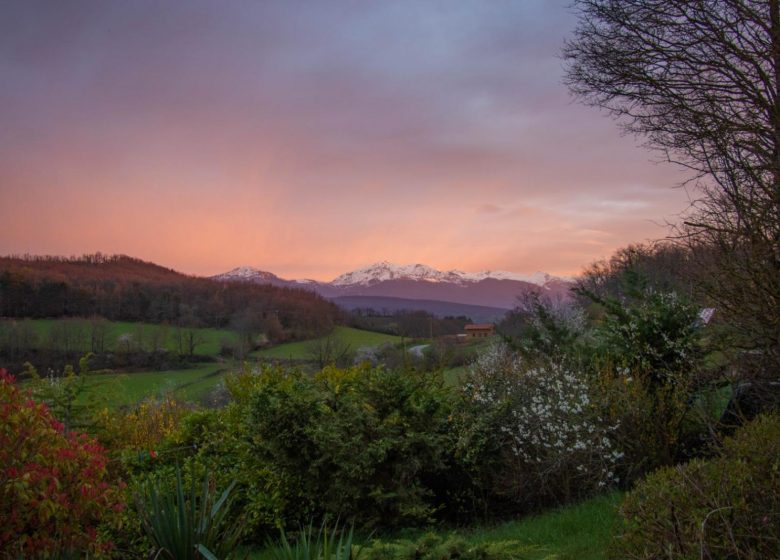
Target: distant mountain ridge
(384, 271)
(495, 289)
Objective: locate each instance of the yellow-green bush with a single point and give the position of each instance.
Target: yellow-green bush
(726, 507)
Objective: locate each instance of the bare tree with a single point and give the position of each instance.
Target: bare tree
(328, 350)
(98, 331)
(699, 79)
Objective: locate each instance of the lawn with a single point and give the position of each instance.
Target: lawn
(579, 532)
(118, 389)
(356, 338)
(209, 346)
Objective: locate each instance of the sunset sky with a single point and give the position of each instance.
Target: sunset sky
(311, 138)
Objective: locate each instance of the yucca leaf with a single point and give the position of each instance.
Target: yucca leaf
(206, 552)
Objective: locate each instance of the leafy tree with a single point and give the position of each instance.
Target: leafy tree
(700, 80)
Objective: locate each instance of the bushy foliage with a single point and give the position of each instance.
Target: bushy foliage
(66, 394)
(364, 444)
(649, 357)
(726, 507)
(450, 547)
(655, 334)
(53, 488)
(530, 433)
(148, 425)
(543, 326)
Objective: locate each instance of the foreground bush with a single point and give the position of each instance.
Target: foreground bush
(366, 445)
(53, 492)
(727, 507)
(530, 434)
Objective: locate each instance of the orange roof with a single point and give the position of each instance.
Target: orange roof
(480, 327)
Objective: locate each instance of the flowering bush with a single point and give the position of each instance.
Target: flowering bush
(53, 492)
(650, 358)
(658, 334)
(530, 433)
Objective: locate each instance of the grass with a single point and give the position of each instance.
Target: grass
(454, 376)
(140, 331)
(578, 532)
(356, 338)
(582, 531)
(116, 389)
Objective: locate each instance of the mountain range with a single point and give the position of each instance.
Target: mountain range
(393, 287)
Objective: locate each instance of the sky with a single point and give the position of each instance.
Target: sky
(311, 138)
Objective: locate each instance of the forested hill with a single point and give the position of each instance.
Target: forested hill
(124, 288)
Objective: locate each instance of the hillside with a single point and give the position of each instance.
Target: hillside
(122, 288)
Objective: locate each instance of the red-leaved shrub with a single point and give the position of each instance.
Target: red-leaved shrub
(53, 492)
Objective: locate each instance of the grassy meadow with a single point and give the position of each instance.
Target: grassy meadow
(120, 389)
(355, 338)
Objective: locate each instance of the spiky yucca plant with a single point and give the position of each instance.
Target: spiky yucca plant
(188, 526)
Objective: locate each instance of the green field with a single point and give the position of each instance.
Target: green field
(144, 333)
(356, 338)
(118, 389)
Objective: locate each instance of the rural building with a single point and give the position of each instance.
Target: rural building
(480, 330)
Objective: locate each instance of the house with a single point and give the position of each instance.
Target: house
(480, 330)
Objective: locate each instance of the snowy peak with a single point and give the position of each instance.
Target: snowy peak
(246, 274)
(384, 271)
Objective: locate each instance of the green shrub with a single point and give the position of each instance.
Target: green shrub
(727, 507)
(365, 445)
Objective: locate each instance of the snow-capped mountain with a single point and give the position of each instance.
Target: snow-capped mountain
(247, 274)
(493, 288)
(252, 274)
(384, 271)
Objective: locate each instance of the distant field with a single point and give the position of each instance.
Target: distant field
(356, 338)
(143, 331)
(117, 389)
